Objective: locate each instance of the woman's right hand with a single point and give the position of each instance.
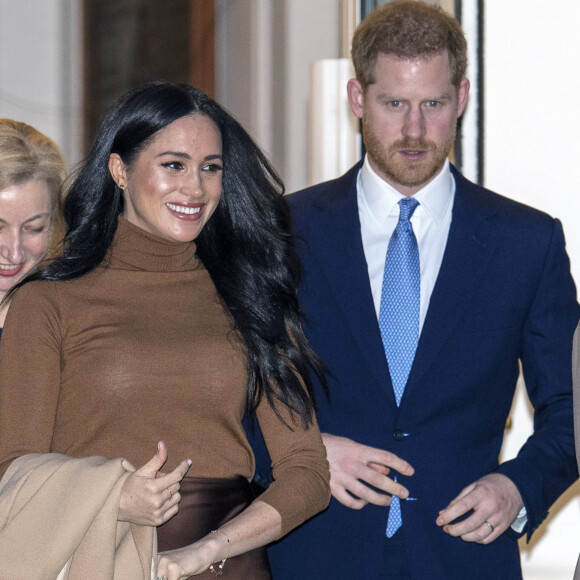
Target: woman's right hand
(150, 497)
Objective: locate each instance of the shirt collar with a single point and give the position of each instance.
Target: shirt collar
(381, 198)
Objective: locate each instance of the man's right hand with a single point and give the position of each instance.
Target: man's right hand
(353, 465)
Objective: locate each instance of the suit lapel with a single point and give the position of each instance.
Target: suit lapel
(470, 247)
(339, 249)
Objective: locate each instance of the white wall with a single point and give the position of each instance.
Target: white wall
(40, 68)
(532, 152)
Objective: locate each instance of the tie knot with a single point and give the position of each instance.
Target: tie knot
(406, 208)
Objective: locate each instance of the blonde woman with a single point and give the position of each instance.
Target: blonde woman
(32, 170)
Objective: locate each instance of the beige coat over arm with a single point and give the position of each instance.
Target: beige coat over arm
(58, 520)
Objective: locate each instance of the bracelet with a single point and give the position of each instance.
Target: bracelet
(221, 565)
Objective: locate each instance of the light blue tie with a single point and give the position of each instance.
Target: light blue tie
(399, 315)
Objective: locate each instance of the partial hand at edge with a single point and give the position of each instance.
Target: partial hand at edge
(493, 498)
(149, 497)
(353, 465)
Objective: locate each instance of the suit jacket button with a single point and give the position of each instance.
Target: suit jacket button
(398, 434)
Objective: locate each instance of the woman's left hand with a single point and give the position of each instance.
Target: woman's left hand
(190, 560)
(258, 525)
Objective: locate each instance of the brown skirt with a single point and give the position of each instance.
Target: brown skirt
(205, 505)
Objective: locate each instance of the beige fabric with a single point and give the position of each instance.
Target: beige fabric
(576, 384)
(58, 521)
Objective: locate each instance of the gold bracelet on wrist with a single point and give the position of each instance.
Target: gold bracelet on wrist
(220, 567)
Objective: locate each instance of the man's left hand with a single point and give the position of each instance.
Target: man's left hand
(495, 502)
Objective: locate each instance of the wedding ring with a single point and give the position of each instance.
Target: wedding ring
(170, 497)
(491, 526)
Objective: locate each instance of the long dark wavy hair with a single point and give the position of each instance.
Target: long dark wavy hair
(246, 246)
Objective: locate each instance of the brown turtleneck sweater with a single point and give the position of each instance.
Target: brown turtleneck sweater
(139, 350)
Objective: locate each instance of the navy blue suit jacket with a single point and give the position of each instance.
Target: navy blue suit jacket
(504, 294)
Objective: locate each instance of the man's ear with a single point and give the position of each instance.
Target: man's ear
(118, 170)
(462, 95)
(355, 97)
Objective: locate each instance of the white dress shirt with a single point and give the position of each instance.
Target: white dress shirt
(379, 213)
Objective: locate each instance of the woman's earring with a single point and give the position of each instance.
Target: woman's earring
(122, 186)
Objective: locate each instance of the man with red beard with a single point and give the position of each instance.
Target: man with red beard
(423, 292)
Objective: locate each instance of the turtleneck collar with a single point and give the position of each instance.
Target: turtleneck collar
(135, 249)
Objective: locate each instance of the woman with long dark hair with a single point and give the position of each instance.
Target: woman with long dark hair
(171, 313)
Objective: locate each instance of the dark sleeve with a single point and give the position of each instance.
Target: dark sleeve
(546, 464)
